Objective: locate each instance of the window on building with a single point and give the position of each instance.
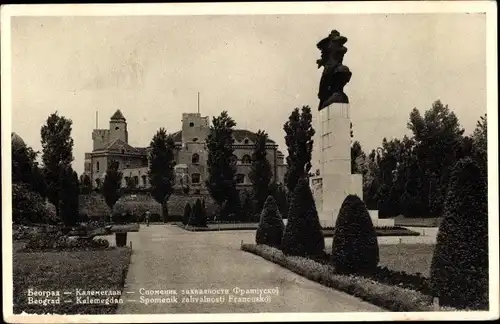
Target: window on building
(123, 151)
(191, 124)
(195, 139)
(240, 178)
(195, 159)
(97, 166)
(117, 128)
(246, 159)
(98, 183)
(144, 180)
(136, 180)
(117, 164)
(195, 178)
(246, 141)
(127, 181)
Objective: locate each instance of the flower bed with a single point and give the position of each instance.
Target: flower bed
(68, 271)
(219, 227)
(391, 297)
(381, 231)
(57, 242)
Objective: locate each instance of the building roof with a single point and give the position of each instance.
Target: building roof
(118, 115)
(238, 134)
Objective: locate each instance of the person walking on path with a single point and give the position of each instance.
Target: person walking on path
(147, 218)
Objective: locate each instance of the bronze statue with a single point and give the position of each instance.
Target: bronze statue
(335, 75)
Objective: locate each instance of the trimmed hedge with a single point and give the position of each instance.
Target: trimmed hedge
(176, 204)
(459, 269)
(390, 297)
(355, 245)
(303, 235)
(138, 207)
(271, 227)
(93, 205)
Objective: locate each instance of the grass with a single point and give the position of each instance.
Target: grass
(410, 258)
(67, 271)
(390, 297)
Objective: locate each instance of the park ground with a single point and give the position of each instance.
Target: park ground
(165, 256)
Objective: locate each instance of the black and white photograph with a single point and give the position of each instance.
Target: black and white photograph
(207, 162)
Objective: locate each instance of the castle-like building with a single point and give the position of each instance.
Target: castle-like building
(190, 155)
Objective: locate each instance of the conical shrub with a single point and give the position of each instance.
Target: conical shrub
(187, 214)
(459, 268)
(354, 246)
(303, 233)
(197, 215)
(271, 227)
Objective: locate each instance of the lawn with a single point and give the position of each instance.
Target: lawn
(68, 271)
(410, 258)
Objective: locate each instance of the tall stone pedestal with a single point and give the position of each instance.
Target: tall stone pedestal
(335, 181)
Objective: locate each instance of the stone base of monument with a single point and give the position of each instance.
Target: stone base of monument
(330, 191)
(380, 222)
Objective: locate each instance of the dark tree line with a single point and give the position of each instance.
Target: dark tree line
(410, 176)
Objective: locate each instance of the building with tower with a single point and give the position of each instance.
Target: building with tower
(190, 156)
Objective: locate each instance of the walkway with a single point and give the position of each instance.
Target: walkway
(167, 257)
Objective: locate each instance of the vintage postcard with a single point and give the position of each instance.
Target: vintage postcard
(250, 162)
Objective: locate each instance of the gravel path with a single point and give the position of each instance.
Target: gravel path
(168, 258)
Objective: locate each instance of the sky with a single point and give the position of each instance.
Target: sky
(257, 67)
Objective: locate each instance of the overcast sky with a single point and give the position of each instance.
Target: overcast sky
(257, 67)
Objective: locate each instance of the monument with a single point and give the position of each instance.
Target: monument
(335, 181)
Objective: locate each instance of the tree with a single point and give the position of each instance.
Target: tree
(437, 136)
(355, 246)
(25, 168)
(371, 181)
(221, 165)
(299, 141)
(357, 158)
(161, 168)
(187, 214)
(459, 268)
(480, 145)
(57, 153)
(197, 217)
(303, 233)
(29, 207)
(260, 173)
(271, 227)
(85, 184)
(130, 183)
(248, 206)
(112, 184)
(278, 191)
(69, 202)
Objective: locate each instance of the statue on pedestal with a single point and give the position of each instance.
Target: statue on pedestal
(335, 75)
